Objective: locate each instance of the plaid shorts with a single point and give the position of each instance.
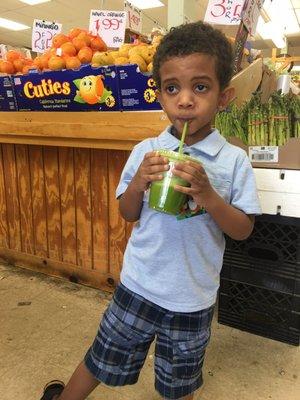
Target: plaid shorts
(127, 329)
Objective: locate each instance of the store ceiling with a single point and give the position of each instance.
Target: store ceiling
(75, 13)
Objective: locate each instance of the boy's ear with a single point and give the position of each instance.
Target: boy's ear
(158, 96)
(226, 96)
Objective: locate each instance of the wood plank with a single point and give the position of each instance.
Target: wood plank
(4, 236)
(82, 160)
(25, 200)
(73, 273)
(67, 196)
(99, 199)
(110, 130)
(52, 188)
(117, 229)
(36, 162)
(12, 196)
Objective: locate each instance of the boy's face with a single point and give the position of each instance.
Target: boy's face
(190, 91)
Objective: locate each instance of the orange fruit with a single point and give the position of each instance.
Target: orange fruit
(97, 44)
(7, 67)
(68, 49)
(18, 65)
(59, 40)
(28, 61)
(13, 55)
(85, 37)
(72, 63)
(74, 32)
(37, 62)
(85, 55)
(78, 43)
(44, 60)
(56, 63)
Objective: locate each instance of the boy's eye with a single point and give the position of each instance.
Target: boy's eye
(171, 89)
(201, 88)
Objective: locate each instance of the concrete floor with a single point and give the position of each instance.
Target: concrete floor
(47, 324)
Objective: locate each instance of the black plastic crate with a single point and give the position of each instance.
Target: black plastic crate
(258, 310)
(267, 280)
(273, 247)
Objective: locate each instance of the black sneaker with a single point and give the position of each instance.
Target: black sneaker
(52, 389)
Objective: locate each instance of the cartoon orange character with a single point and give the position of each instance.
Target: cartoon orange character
(91, 90)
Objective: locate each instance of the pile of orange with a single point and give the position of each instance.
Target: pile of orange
(70, 51)
(15, 62)
(67, 51)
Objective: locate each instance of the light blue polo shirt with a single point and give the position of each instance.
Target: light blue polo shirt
(176, 263)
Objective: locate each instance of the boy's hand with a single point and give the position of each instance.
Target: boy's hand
(150, 170)
(200, 190)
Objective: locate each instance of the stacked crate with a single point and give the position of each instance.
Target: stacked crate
(260, 280)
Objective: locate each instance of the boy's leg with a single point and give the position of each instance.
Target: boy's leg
(179, 353)
(80, 385)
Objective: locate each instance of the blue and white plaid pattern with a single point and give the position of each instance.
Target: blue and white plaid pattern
(127, 329)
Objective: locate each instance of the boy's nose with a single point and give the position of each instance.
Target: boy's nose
(185, 100)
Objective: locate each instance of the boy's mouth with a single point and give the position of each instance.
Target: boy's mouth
(185, 119)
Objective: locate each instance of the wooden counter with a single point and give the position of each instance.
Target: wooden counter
(59, 172)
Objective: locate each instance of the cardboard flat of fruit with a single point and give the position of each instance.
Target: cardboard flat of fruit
(137, 89)
(7, 97)
(85, 89)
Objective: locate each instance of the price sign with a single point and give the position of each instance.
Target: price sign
(251, 13)
(224, 12)
(110, 25)
(134, 18)
(42, 34)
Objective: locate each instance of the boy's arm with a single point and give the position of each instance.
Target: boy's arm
(235, 223)
(131, 201)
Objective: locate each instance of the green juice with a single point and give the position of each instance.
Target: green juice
(163, 197)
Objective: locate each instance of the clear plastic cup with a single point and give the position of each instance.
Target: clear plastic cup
(163, 197)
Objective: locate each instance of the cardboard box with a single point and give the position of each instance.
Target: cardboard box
(278, 191)
(7, 96)
(85, 89)
(288, 155)
(137, 89)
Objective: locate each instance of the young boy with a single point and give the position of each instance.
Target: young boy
(171, 268)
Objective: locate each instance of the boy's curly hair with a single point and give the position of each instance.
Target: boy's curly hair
(197, 37)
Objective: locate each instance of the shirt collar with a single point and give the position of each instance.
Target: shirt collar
(211, 145)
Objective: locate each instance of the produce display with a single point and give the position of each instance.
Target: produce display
(80, 47)
(258, 124)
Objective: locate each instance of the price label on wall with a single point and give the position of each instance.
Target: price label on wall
(224, 12)
(42, 34)
(110, 25)
(134, 18)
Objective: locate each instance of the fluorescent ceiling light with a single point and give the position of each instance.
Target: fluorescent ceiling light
(144, 4)
(281, 19)
(12, 25)
(282, 14)
(34, 2)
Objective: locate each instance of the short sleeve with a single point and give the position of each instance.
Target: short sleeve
(244, 193)
(131, 166)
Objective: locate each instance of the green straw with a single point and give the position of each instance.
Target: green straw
(185, 128)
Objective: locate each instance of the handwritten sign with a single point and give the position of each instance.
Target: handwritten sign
(134, 18)
(110, 25)
(42, 34)
(251, 13)
(224, 12)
